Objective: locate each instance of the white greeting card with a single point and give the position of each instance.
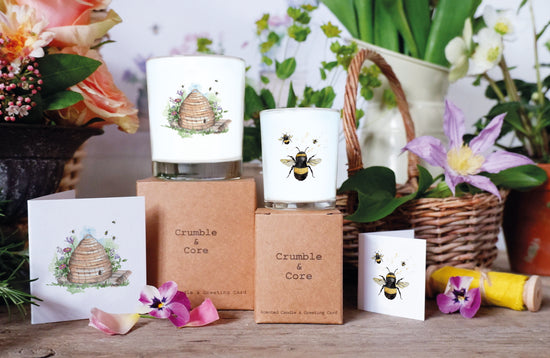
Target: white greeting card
(392, 273)
(85, 253)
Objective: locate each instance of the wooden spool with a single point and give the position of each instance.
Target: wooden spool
(89, 262)
(196, 112)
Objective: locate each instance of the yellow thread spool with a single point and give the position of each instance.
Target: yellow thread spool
(499, 289)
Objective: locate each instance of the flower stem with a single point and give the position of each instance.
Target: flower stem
(495, 88)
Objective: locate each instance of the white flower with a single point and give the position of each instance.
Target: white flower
(458, 51)
(488, 53)
(501, 21)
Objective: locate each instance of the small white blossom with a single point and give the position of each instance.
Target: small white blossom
(488, 53)
(458, 51)
(501, 21)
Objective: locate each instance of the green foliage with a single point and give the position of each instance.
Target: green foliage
(203, 45)
(376, 188)
(14, 273)
(61, 71)
(419, 28)
(376, 191)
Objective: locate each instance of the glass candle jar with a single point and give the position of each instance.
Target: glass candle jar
(299, 156)
(196, 106)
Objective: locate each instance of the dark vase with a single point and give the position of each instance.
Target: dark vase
(526, 227)
(32, 158)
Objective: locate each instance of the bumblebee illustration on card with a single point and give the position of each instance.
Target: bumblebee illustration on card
(390, 284)
(301, 164)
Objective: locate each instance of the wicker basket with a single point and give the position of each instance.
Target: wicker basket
(459, 231)
(71, 171)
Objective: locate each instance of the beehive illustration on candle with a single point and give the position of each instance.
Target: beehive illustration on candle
(194, 111)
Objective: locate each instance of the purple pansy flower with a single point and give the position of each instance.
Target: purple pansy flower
(167, 302)
(462, 163)
(457, 297)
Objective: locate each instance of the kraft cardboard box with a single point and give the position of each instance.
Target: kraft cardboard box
(201, 235)
(298, 266)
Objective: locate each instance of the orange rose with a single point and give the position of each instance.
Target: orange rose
(102, 99)
(72, 21)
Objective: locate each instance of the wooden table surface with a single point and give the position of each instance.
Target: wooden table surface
(493, 332)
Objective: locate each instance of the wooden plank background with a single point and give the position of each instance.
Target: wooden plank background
(493, 332)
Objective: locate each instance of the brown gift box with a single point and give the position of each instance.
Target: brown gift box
(298, 266)
(201, 235)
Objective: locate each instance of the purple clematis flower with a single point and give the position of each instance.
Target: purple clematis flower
(462, 163)
(167, 302)
(457, 297)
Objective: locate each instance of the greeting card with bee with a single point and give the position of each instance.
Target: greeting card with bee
(85, 253)
(392, 273)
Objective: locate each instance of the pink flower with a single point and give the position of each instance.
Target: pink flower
(462, 163)
(76, 23)
(457, 297)
(164, 302)
(112, 323)
(102, 99)
(167, 302)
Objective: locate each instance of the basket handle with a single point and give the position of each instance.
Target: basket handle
(353, 148)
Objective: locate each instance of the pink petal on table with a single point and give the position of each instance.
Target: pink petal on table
(112, 323)
(204, 314)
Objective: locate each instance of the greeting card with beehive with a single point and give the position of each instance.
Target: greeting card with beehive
(85, 253)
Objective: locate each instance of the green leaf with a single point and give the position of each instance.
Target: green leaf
(419, 18)
(344, 11)
(61, 71)
(370, 180)
(396, 11)
(364, 10)
(267, 98)
(292, 99)
(268, 61)
(447, 23)
(285, 69)
(264, 79)
(253, 103)
(203, 45)
(512, 117)
(60, 100)
(524, 177)
(262, 24)
(252, 146)
(324, 98)
(385, 32)
(375, 187)
(330, 30)
(298, 33)
(425, 180)
(299, 15)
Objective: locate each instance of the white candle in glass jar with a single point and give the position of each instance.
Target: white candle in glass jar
(196, 108)
(299, 157)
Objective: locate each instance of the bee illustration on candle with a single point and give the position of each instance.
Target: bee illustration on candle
(315, 141)
(390, 284)
(285, 138)
(403, 263)
(377, 257)
(301, 165)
